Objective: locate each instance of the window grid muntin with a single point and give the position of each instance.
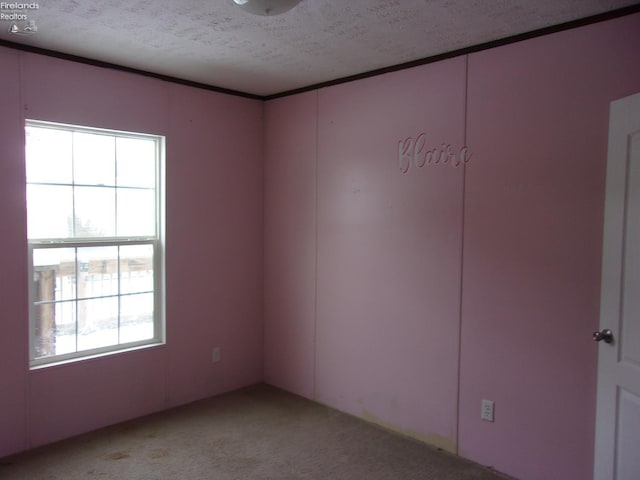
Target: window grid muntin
(157, 333)
(118, 241)
(73, 185)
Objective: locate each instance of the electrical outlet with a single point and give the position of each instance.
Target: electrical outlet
(487, 410)
(215, 355)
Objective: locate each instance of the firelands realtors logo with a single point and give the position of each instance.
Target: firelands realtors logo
(17, 16)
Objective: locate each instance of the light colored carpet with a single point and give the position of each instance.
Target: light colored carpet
(257, 433)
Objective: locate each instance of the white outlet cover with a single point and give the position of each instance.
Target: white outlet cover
(487, 410)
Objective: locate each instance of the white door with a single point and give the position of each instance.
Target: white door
(617, 447)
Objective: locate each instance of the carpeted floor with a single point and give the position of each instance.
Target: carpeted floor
(256, 433)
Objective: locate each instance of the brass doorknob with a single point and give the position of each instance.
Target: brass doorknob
(606, 335)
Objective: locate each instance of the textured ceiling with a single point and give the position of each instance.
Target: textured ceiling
(215, 43)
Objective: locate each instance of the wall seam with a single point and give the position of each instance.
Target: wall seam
(264, 238)
(315, 268)
(462, 221)
(167, 350)
(27, 443)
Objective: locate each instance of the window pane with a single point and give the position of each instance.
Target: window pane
(136, 212)
(99, 190)
(54, 329)
(97, 323)
(54, 274)
(136, 268)
(94, 159)
(136, 162)
(50, 211)
(48, 155)
(97, 271)
(136, 321)
(95, 212)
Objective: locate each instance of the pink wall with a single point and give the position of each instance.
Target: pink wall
(538, 121)
(390, 321)
(369, 303)
(290, 243)
(14, 354)
(389, 251)
(214, 250)
(215, 268)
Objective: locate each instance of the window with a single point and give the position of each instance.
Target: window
(95, 223)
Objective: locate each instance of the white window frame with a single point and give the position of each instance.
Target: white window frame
(158, 242)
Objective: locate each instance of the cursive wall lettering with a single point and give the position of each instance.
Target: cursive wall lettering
(415, 152)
